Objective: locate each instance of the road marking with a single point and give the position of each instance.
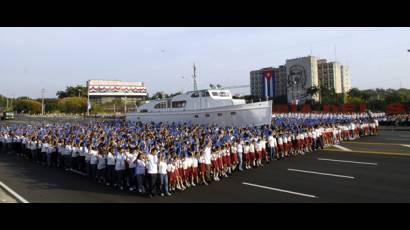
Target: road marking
(394, 139)
(280, 190)
(342, 148)
(371, 152)
(78, 172)
(13, 193)
(406, 145)
(374, 143)
(345, 161)
(319, 173)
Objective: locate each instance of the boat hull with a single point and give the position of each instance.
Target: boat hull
(252, 114)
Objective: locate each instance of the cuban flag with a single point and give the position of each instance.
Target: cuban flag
(269, 83)
(88, 104)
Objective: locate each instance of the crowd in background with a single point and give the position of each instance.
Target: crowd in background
(396, 120)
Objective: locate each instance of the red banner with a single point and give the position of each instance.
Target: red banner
(394, 108)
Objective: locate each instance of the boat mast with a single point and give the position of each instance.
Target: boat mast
(194, 77)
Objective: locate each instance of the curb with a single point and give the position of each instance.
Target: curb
(394, 129)
(13, 193)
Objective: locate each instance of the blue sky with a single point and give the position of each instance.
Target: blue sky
(53, 58)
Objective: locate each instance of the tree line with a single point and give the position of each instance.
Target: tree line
(74, 99)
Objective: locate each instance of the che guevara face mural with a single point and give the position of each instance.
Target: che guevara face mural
(297, 81)
(297, 76)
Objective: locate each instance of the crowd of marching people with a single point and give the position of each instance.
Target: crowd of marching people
(164, 158)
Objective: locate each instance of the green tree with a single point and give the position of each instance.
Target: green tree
(73, 91)
(27, 106)
(159, 95)
(314, 91)
(73, 105)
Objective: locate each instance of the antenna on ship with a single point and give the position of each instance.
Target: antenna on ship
(194, 77)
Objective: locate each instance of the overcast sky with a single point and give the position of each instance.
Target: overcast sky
(53, 58)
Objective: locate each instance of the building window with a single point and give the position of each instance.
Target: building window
(207, 115)
(196, 116)
(144, 111)
(195, 94)
(219, 114)
(233, 113)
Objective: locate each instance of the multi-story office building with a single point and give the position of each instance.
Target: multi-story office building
(330, 75)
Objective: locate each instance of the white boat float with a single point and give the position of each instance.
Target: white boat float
(213, 106)
(205, 107)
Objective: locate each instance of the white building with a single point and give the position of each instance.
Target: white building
(105, 91)
(330, 75)
(345, 78)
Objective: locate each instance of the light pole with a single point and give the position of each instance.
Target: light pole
(125, 104)
(7, 99)
(42, 102)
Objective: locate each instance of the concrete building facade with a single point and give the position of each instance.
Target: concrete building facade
(330, 75)
(345, 78)
(302, 73)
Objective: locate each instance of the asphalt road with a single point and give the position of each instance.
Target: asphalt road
(377, 170)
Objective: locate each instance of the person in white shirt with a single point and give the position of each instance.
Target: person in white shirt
(272, 147)
(33, 148)
(68, 149)
(81, 157)
(285, 145)
(252, 154)
(131, 160)
(281, 148)
(60, 153)
(93, 162)
(101, 166)
(50, 150)
(75, 156)
(202, 167)
(44, 150)
(185, 164)
(258, 148)
(120, 167)
(152, 172)
(110, 167)
(140, 172)
(240, 154)
(195, 165)
(162, 171)
(207, 158)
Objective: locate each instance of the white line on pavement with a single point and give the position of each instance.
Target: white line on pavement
(13, 193)
(319, 173)
(345, 161)
(406, 145)
(280, 190)
(78, 172)
(342, 148)
(396, 139)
